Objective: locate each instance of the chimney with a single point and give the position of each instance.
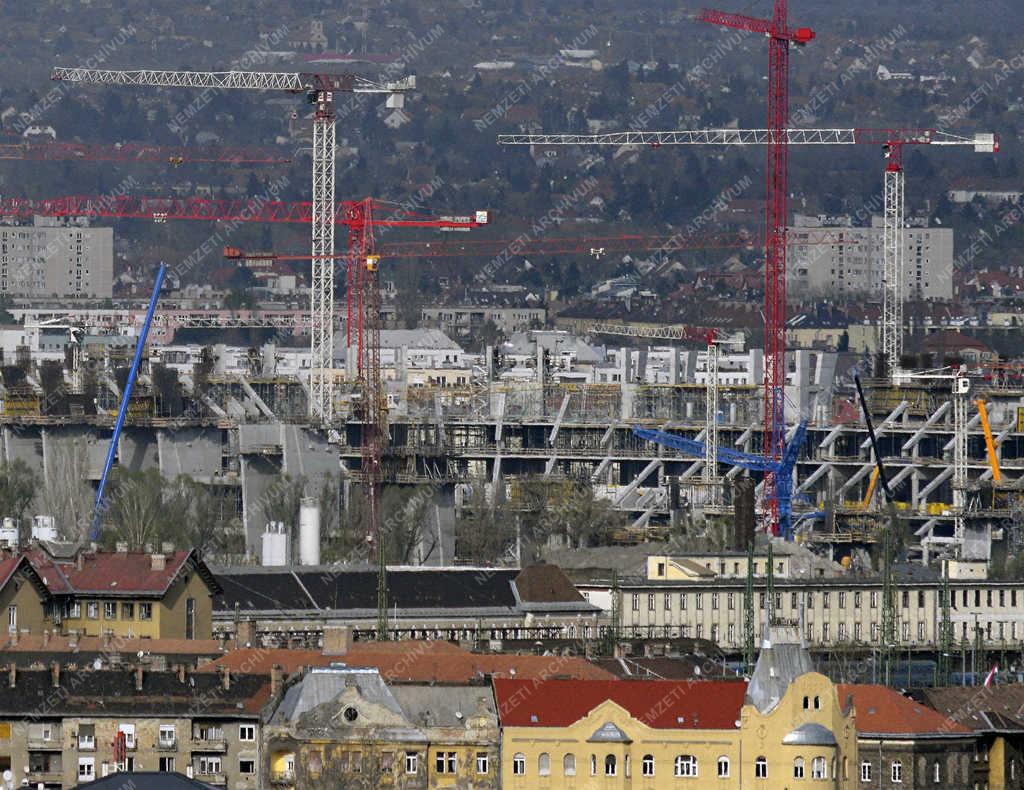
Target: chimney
(55, 674)
(121, 547)
(46, 637)
(157, 562)
(107, 634)
(167, 547)
(14, 638)
(12, 675)
(180, 669)
(80, 560)
(276, 679)
(337, 640)
(225, 678)
(245, 633)
(73, 639)
(138, 677)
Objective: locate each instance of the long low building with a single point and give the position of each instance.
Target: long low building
(292, 606)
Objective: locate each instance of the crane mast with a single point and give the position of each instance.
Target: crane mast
(319, 89)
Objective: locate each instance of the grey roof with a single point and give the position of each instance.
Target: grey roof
(151, 780)
(778, 665)
(397, 338)
(810, 734)
(609, 733)
(527, 342)
(323, 684)
(444, 706)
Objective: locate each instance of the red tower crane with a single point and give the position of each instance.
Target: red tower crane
(780, 37)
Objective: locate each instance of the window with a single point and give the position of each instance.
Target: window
(905, 599)
(129, 734)
(145, 611)
(167, 765)
(668, 602)
(650, 603)
(636, 602)
(190, 618)
(247, 732)
(874, 599)
(357, 762)
(86, 769)
(937, 772)
(12, 618)
(519, 764)
(897, 771)
(110, 610)
(842, 600)
(714, 601)
(166, 736)
(824, 600)
(700, 600)
(75, 610)
(647, 765)
(610, 765)
(593, 765)
(445, 762)
(920, 599)
(247, 767)
(856, 600)
(544, 764)
(761, 768)
(686, 765)
(723, 767)
(819, 768)
(127, 611)
(569, 765)
(412, 762)
(92, 610)
(798, 768)
(682, 601)
(208, 765)
(920, 632)
(483, 762)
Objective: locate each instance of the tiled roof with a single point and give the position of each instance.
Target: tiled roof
(544, 583)
(416, 662)
(114, 573)
(994, 708)
(880, 710)
(662, 704)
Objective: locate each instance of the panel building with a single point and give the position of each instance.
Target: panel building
(48, 261)
(853, 267)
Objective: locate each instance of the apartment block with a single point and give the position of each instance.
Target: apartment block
(854, 265)
(69, 261)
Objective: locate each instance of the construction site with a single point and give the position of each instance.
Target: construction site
(689, 433)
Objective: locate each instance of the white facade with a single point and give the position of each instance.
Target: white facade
(855, 266)
(57, 261)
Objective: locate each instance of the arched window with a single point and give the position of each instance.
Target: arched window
(647, 765)
(819, 768)
(807, 702)
(937, 772)
(519, 764)
(544, 764)
(569, 764)
(593, 765)
(846, 768)
(817, 703)
(897, 771)
(610, 765)
(723, 767)
(627, 766)
(761, 768)
(685, 765)
(798, 768)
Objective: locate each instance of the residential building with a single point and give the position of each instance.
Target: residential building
(23, 596)
(995, 714)
(70, 726)
(67, 261)
(130, 594)
(347, 727)
(464, 320)
(788, 726)
(292, 607)
(854, 266)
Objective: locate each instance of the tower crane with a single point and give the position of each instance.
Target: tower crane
(319, 90)
(891, 141)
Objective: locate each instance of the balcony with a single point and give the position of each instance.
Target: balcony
(54, 743)
(212, 779)
(210, 745)
(282, 777)
(167, 744)
(46, 775)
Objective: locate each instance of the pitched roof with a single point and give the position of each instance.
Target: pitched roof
(662, 704)
(880, 710)
(987, 709)
(415, 661)
(543, 583)
(151, 780)
(116, 573)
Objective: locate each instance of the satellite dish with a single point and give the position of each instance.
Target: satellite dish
(97, 664)
(8, 776)
(141, 653)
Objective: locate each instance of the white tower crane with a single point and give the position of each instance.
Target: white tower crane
(319, 90)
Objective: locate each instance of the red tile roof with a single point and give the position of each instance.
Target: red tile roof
(109, 573)
(411, 661)
(663, 704)
(882, 710)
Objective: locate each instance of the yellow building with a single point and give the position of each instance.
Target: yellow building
(788, 724)
(167, 594)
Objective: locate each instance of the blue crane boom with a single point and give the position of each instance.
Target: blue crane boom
(780, 471)
(97, 514)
